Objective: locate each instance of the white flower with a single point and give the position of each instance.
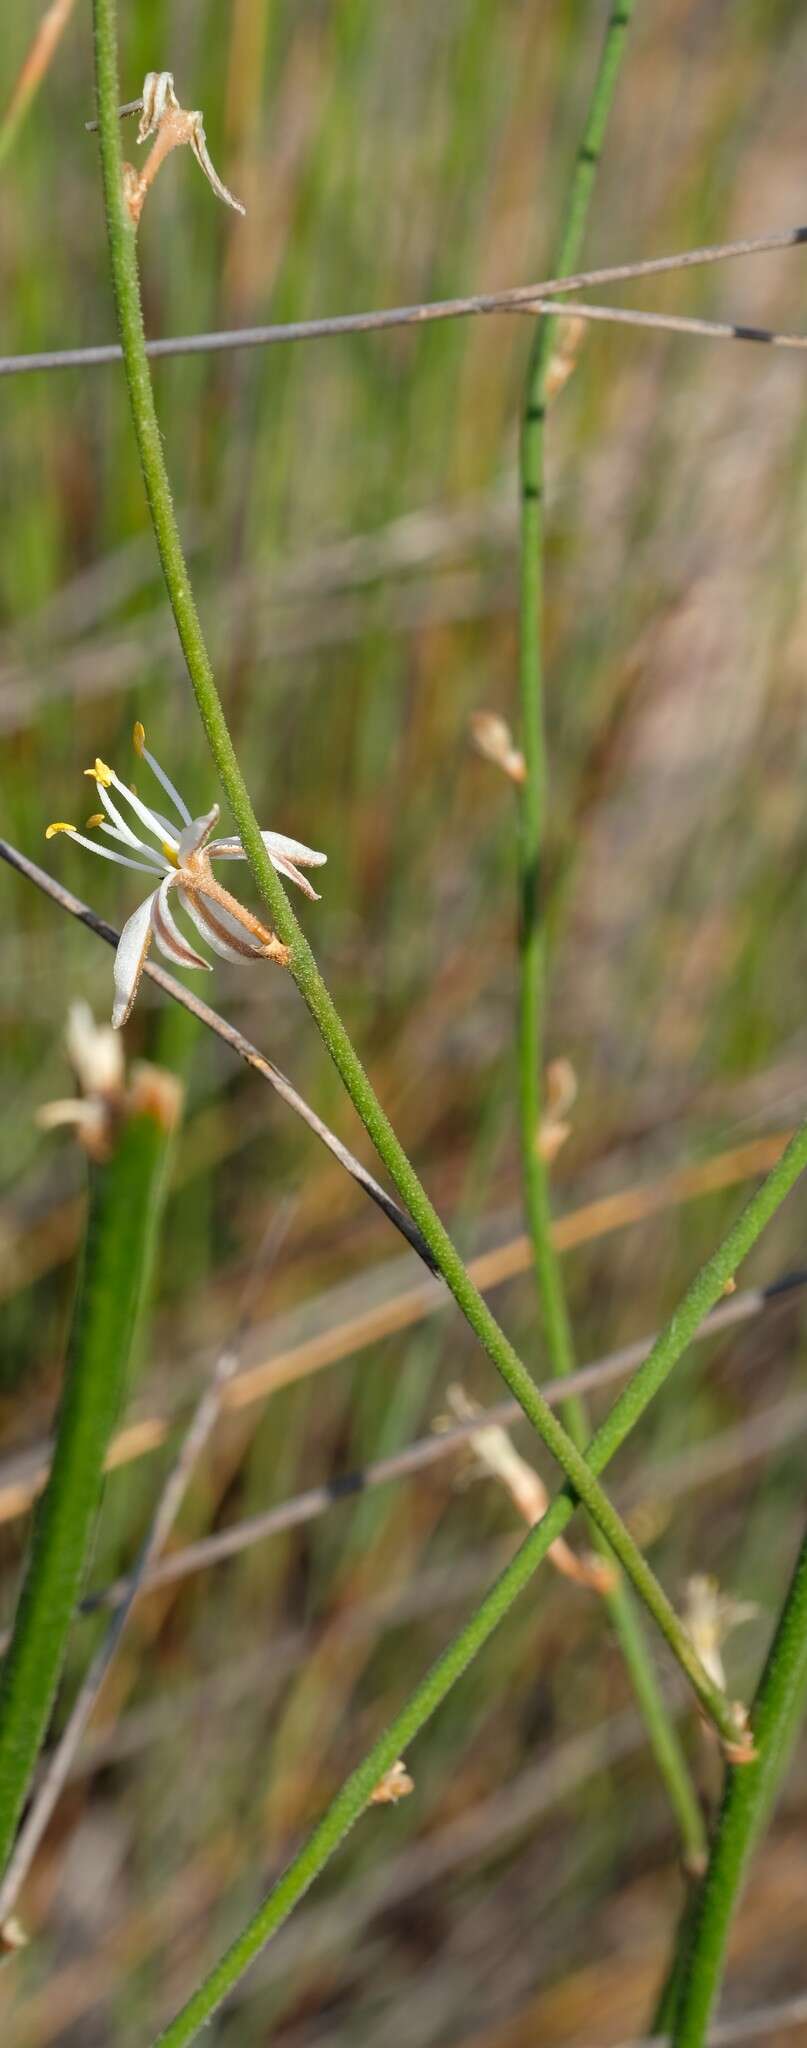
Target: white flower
(160, 108)
(709, 1615)
(96, 1057)
(106, 1098)
(95, 1054)
(172, 127)
(182, 858)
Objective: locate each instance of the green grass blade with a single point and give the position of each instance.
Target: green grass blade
(124, 1207)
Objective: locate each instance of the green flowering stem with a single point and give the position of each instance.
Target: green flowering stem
(662, 1734)
(123, 259)
(777, 1713)
(125, 1197)
(533, 790)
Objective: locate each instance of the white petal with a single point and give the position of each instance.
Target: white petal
(158, 93)
(204, 912)
(197, 832)
(198, 144)
(283, 854)
(293, 849)
(50, 1115)
(287, 868)
(168, 935)
(130, 959)
(275, 843)
(159, 826)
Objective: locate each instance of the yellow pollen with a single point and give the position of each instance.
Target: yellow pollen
(138, 737)
(100, 773)
(96, 819)
(58, 827)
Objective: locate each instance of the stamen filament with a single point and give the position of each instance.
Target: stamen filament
(139, 738)
(162, 862)
(103, 852)
(122, 830)
(154, 824)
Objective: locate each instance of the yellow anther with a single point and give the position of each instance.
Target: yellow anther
(138, 737)
(58, 827)
(96, 819)
(100, 773)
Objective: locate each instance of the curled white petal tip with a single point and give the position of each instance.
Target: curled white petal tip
(130, 959)
(198, 142)
(158, 94)
(294, 849)
(286, 855)
(196, 832)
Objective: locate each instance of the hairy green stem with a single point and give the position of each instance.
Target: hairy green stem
(123, 259)
(778, 1711)
(124, 1206)
(662, 1734)
(351, 1800)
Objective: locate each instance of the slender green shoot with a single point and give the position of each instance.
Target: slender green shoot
(662, 1734)
(778, 1711)
(532, 820)
(125, 1199)
(124, 267)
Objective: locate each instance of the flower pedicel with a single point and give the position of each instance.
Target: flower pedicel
(182, 858)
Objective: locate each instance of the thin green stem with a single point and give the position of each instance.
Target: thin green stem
(123, 258)
(124, 1206)
(666, 2006)
(531, 687)
(778, 1711)
(351, 1800)
(533, 790)
(662, 1733)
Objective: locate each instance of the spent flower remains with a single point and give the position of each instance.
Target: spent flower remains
(182, 858)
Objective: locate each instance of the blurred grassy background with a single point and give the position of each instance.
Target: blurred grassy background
(350, 509)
